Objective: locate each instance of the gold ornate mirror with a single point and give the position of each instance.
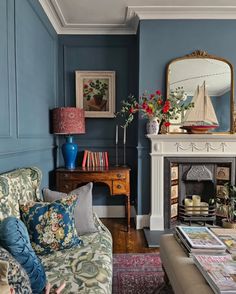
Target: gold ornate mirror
(207, 81)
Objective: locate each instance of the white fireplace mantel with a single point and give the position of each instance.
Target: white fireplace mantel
(181, 145)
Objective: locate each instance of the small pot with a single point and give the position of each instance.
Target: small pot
(228, 225)
(98, 99)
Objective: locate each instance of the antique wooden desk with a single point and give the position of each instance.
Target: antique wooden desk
(116, 178)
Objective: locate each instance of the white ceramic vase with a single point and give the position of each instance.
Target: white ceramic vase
(153, 126)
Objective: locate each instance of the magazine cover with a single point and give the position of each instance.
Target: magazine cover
(201, 237)
(228, 237)
(219, 271)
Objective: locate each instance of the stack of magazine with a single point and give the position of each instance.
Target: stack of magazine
(219, 271)
(199, 240)
(209, 255)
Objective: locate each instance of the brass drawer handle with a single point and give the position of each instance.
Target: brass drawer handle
(65, 175)
(119, 186)
(118, 175)
(66, 186)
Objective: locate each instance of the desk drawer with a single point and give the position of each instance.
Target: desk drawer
(119, 187)
(66, 186)
(94, 176)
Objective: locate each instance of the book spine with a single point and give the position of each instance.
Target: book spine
(106, 159)
(93, 160)
(103, 159)
(100, 158)
(88, 159)
(84, 158)
(96, 159)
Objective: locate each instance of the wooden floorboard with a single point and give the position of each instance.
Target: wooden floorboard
(124, 242)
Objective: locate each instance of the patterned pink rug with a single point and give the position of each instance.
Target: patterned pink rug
(137, 273)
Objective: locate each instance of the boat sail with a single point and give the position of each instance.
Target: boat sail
(201, 117)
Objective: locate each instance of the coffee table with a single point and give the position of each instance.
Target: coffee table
(180, 270)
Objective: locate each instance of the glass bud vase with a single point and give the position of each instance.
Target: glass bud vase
(153, 126)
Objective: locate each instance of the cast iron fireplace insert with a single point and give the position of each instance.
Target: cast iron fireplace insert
(179, 183)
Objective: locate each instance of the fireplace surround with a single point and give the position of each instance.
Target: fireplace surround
(166, 149)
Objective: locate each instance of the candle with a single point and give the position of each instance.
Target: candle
(204, 208)
(124, 134)
(188, 205)
(196, 202)
(117, 130)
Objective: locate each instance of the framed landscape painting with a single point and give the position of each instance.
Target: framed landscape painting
(95, 93)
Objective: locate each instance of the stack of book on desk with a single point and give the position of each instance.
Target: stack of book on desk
(199, 240)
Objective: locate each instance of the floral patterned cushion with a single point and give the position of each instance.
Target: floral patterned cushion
(51, 226)
(86, 269)
(21, 184)
(17, 277)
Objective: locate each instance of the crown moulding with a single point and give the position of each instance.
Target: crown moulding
(133, 15)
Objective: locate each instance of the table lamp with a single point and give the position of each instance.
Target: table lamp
(68, 121)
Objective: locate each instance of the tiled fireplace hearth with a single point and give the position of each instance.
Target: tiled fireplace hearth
(209, 151)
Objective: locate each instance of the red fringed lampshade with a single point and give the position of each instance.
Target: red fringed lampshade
(68, 120)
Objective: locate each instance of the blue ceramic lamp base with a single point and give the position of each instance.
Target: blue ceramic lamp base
(69, 152)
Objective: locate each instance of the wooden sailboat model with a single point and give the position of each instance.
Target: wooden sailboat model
(201, 118)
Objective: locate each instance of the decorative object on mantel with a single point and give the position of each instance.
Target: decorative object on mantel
(155, 108)
(201, 118)
(68, 121)
(153, 126)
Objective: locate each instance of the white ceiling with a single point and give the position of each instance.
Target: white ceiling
(122, 16)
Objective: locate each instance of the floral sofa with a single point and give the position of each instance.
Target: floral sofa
(85, 269)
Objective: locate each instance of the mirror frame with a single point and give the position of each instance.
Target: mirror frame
(203, 54)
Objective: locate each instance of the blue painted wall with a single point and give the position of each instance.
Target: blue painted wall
(160, 41)
(28, 86)
(116, 53)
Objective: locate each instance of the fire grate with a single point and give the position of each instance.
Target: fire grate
(197, 214)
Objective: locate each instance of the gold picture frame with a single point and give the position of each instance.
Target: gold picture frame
(180, 74)
(95, 93)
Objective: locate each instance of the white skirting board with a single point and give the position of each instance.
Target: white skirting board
(117, 211)
(110, 211)
(142, 221)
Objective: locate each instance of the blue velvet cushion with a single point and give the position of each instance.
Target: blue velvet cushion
(15, 239)
(51, 226)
